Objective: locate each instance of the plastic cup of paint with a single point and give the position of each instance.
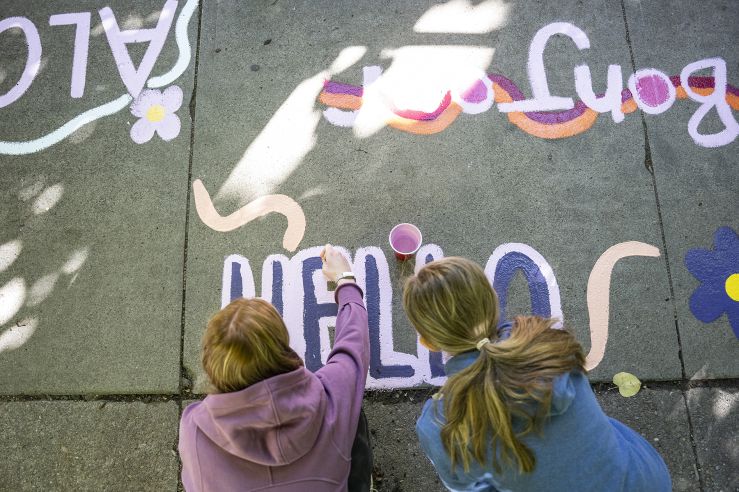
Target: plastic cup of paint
(406, 240)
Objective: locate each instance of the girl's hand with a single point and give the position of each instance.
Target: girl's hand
(334, 263)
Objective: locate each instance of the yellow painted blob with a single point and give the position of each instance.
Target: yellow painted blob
(628, 384)
(156, 113)
(732, 286)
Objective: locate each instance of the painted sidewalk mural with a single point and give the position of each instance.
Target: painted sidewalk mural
(155, 108)
(294, 284)
(545, 115)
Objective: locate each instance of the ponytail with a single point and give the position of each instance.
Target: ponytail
(511, 379)
(452, 305)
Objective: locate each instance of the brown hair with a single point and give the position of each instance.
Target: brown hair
(451, 304)
(244, 343)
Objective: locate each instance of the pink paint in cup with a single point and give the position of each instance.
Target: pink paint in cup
(405, 239)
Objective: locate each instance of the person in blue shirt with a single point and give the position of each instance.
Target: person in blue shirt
(517, 412)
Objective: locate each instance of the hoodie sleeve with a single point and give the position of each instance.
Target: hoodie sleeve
(345, 373)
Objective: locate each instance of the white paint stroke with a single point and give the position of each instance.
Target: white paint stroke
(183, 43)
(41, 143)
(56, 136)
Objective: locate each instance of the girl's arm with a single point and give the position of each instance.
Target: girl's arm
(345, 373)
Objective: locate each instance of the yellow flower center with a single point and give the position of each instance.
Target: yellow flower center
(732, 286)
(156, 113)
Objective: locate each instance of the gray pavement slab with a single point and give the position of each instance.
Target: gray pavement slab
(399, 462)
(77, 445)
(698, 187)
(660, 416)
(714, 413)
(480, 183)
(93, 301)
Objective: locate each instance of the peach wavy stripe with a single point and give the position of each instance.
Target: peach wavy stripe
(341, 101)
(260, 207)
(598, 294)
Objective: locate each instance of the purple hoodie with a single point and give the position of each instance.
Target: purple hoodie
(291, 432)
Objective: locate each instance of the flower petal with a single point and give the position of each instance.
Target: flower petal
(707, 265)
(145, 100)
(172, 98)
(726, 239)
(708, 302)
(142, 131)
(169, 127)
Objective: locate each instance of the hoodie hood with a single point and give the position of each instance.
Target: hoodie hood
(273, 423)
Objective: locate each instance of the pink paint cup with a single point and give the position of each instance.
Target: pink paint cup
(405, 239)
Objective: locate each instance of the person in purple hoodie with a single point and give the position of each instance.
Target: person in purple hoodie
(271, 424)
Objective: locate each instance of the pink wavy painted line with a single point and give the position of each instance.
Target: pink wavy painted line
(282, 204)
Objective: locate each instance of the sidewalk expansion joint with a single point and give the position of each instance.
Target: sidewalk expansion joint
(649, 164)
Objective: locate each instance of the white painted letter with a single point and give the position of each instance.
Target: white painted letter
(135, 78)
(33, 62)
(652, 90)
(543, 100)
(81, 45)
(611, 100)
(717, 98)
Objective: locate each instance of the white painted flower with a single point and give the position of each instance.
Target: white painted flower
(157, 112)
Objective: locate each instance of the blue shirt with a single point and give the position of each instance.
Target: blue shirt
(580, 447)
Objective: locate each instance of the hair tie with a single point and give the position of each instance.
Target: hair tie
(482, 343)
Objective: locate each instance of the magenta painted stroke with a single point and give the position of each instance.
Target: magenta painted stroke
(476, 93)
(156, 110)
(338, 88)
(626, 95)
(412, 114)
(653, 90)
(703, 82)
(81, 46)
(135, 78)
(507, 85)
(33, 60)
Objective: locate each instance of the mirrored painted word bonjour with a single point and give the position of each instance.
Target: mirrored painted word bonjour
(543, 115)
(297, 289)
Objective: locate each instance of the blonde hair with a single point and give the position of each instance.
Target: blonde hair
(244, 343)
(452, 305)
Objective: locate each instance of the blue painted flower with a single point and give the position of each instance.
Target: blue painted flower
(718, 271)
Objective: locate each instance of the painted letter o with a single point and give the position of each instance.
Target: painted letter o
(33, 62)
(652, 90)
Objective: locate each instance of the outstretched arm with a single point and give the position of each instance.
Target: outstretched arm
(345, 373)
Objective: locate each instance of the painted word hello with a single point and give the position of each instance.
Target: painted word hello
(297, 289)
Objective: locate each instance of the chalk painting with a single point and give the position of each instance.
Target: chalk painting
(297, 289)
(552, 117)
(154, 108)
(717, 270)
(264, 205)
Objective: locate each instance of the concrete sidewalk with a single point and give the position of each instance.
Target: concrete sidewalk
(361, 115)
